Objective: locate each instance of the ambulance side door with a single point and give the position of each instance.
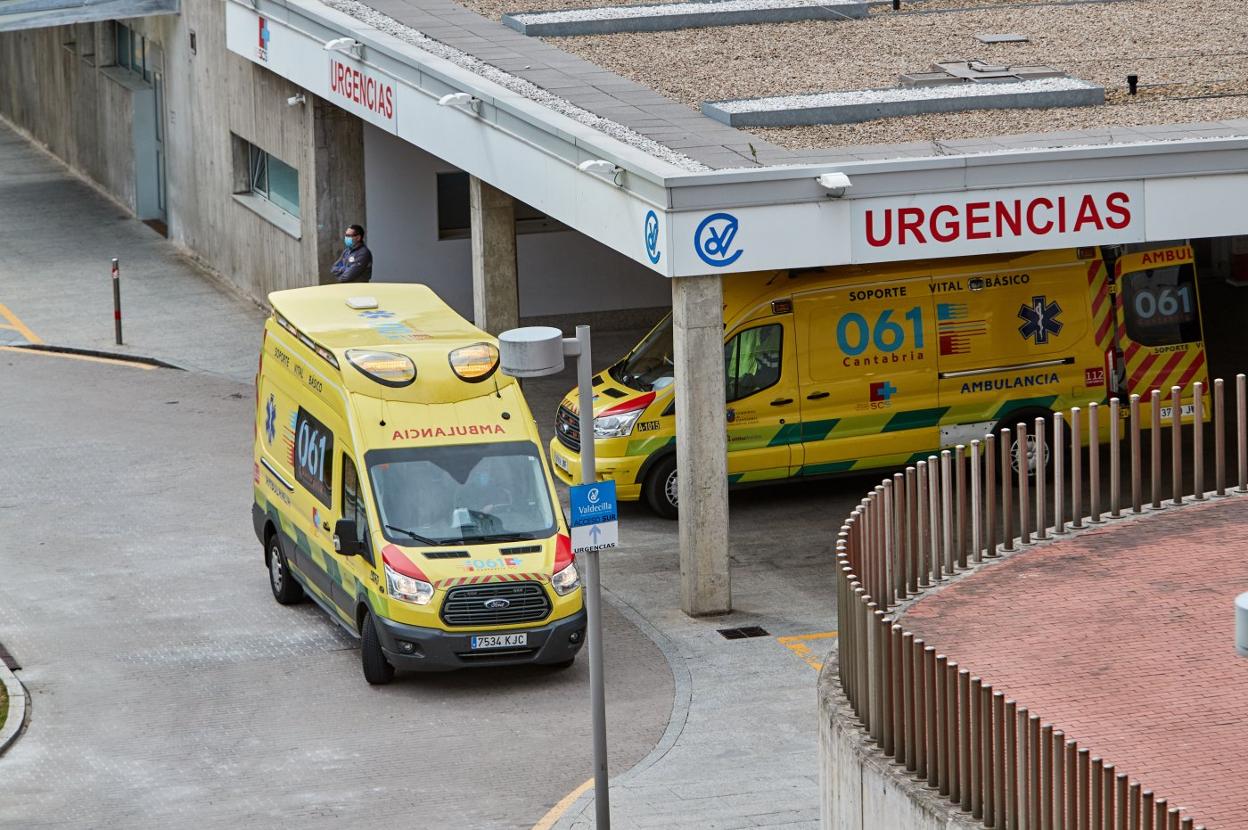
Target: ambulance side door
(868, 374)
(763, 409)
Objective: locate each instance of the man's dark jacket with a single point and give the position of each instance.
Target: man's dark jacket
(355, 265)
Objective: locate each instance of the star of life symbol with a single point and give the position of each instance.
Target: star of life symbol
(1040, 320)
(376, 315)
(270, 419)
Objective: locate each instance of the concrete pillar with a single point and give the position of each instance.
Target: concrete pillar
(701, 444)
(338, 148)
(495, 278)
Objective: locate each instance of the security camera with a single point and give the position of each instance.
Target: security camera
(295, 99)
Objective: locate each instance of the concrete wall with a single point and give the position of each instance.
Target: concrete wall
(861, 788)
(560, 273)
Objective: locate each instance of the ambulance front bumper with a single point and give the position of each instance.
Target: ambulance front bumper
(413, 648)
(567, 467)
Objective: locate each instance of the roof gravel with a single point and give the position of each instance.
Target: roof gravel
(659, 10)
(885, 96)
(390, 26)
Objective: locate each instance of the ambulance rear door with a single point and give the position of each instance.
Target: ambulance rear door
(1159, 326)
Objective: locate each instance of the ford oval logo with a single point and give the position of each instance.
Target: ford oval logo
(497, 604)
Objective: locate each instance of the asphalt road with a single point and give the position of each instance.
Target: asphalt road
(170, 690)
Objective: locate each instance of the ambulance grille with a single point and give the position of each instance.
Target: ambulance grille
(568, 429)
(466, 605)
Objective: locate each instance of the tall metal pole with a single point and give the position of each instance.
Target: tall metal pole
(116, 274)
(593, 591)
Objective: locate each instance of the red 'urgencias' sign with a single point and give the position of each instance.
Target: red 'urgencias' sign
(361, 88)
(955, 222)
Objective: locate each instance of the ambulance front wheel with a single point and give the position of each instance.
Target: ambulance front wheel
(660, 487)
(285, 589)
(377, 669)
(1031, 457)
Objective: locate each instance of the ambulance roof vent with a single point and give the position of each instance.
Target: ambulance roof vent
(361, 302)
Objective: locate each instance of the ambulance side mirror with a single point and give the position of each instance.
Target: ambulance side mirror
(347, 539)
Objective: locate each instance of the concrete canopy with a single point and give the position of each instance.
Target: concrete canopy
(37, 14)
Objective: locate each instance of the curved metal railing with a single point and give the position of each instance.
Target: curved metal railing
(995, 759)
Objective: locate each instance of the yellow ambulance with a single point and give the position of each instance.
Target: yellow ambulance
(840, 370)
(399, 483)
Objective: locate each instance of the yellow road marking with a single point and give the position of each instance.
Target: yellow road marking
(555, 813)
(87, 357)
(798, 644)
(18, 325)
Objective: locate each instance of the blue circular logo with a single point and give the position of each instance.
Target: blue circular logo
(714, 237)
(652, 237)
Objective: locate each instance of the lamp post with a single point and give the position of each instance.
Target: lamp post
(537, 351)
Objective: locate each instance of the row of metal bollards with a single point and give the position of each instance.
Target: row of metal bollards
(987, 754)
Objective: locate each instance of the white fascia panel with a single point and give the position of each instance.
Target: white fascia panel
(1196, 206)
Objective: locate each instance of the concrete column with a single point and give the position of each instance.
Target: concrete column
(701, 444)
(495, 278)
(338, 148)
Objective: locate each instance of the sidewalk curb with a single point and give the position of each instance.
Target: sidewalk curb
(119, 356)
(19, 709)
(682, 694)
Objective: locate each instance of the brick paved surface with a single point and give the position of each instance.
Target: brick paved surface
(1125, 638)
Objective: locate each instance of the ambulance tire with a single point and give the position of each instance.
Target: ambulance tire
(660, 487)
(286, 589)
(377, 669)
(1028, 417)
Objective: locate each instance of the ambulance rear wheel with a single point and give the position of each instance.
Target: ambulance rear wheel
(660, 488)
(1031, 456)
(285, 589)
(377, 669)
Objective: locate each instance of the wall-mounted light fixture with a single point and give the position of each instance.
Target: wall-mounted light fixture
(835, 183)
(346, 45)
(463, 100)
(604, 168)
(296, 99)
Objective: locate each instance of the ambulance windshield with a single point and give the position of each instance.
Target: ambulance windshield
(649, 366)
(462, 493)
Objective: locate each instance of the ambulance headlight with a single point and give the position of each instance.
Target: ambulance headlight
(408, 589)
(566, 581)
(387, 368)
(616, 425)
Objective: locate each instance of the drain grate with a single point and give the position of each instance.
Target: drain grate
(743, 632)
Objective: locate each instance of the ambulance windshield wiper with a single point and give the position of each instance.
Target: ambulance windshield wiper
(415, 536)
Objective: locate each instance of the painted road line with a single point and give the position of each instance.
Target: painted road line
(87, 357)
(799, 645)
(555, 813)
(17, 325)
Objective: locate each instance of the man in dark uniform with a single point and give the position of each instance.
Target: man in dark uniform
(356, 262)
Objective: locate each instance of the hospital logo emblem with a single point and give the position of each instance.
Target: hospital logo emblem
(714, 240)
(1040, 320)
(652, 237)
(262, 50)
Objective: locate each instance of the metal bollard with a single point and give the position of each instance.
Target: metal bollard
(999, 801)
(1133, 805)
(966, 786)
(975, 753)
(1161, 809)
(907, 699)
(1072, 785)
(899, 557)
(933, 509)
(1147, 812)
(1041, 481)
(921, 502)
(887, 681)
(1154, 445)
(1085, 811)
(929, 716)
(1094, 462)
(953, 760)
(912, 532)
(942, 726)
(116, 274)
(1034, 792)
(1046, 777)
(1059, 473)
(1219, 437)
(1137, 503)
(1007, 523)
(1011, 762)
(1024, 485)
(987, 782)
(919, 654)
(1120, 801)
(888, 554)
(1076, 467)
(1241, 430)
(977, 506)
(946, 510)
(1176, 444)
(1059, 781)
(959, 508)
(1115, 458)
(875, 694)
(990, 495)
(1198, 441)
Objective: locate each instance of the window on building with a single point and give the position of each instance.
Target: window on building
(271, 179)
(453, 211)
(130, 50)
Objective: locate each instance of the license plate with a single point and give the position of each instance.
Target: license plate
(1187, 410)
(562, 463)
(500, 640)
